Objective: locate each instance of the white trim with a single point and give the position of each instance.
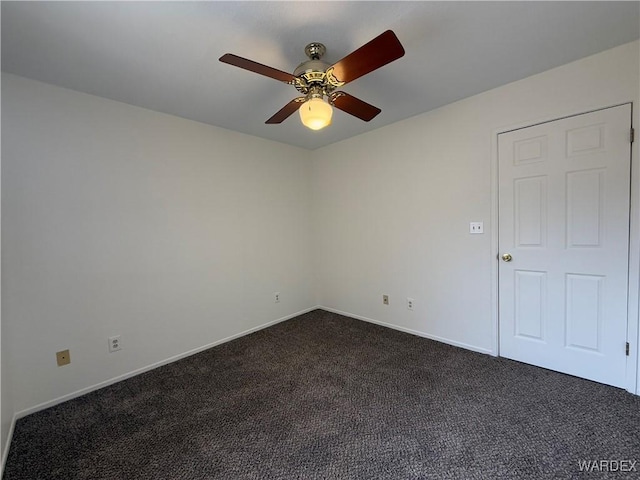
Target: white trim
(5, 453)
(633, 299)
(559, 116)
(633, 280)
(412, 332)
(119, 378)
(495, 246)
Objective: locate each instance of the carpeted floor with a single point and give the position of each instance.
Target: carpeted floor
(327, 397)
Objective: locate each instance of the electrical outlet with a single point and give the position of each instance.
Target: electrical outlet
(63, 358)
(115, 344)
(385, 299)
(276, 297)
(410, 303)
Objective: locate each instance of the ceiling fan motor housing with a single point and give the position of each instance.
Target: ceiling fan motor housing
(311, 69)
(311, 74)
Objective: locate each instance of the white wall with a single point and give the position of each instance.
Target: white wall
(392, 207)
(122, 221)
(6, 398)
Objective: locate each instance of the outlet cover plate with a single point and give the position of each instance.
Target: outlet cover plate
(63, 358)
(115, 343)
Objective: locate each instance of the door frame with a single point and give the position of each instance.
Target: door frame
(632, 383)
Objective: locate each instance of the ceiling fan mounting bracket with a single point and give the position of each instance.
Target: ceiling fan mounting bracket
(315, 50)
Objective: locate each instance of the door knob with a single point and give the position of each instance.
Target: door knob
(507, 257)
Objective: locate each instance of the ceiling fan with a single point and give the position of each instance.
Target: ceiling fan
(315, 80)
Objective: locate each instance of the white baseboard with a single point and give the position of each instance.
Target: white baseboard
(119, 378)
(454, 343)
(5, 453)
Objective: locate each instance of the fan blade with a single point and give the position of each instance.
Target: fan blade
(354, 106)
(257, 68)
(286, 111)
(383, 49)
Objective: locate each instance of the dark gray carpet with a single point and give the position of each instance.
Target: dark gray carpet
(327, 397)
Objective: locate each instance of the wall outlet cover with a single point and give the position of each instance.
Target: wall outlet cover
(410, 303)
(63, 358)
(114, 343)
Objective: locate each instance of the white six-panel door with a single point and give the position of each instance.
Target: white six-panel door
(564, 220)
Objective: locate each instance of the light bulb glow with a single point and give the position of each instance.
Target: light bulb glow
(315, 113)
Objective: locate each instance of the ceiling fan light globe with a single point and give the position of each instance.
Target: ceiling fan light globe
(315, 113)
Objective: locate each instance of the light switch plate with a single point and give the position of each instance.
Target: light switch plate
(476, 227)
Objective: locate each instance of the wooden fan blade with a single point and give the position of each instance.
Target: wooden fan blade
(286, 111)
(383, 49)
(257, 68)
(354, 106)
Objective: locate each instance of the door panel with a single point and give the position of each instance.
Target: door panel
(584, 311)
(564, 218)
(530, 197)
(531, 304)
(585, 202)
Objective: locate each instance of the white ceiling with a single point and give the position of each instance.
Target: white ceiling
(164, 55)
